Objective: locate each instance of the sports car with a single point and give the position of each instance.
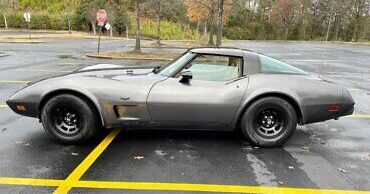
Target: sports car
(204, 88)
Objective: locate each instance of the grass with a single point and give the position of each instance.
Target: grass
(186, 44)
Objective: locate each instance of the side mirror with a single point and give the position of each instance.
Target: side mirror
(186, 76)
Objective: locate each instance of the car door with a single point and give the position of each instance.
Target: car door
(212, 96)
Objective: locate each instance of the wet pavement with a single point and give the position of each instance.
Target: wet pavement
(327, 155)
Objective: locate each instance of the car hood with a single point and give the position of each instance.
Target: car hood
(110, 71)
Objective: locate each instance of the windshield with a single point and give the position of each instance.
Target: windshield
(175, 65)
(271, 65)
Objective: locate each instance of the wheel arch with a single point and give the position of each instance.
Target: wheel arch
(85, 97)
(283, 96)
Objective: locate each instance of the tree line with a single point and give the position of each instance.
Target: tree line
(210, 20)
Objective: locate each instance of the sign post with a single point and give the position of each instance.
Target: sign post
(27, 19)
(101, 17)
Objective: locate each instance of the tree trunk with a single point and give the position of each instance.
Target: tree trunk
(4, 15)
(219, 22)
(137, 44)
(111, 31)
(158, 12)
(286, 33)
(93, 27)
(205, 27)
(211, 16)
(127, 32)
(328, 30)
(337, 31)
(69, 24)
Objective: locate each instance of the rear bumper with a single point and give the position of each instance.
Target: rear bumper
(320, 113)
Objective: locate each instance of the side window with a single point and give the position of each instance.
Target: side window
(271, 65)
(214, 67)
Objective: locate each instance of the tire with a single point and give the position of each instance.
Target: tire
(69, 119)
(269, 122)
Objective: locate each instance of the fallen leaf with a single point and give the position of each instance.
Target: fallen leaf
(362, 157)
(291, 167)
(281, 182)
(74, 154)
(4, 129)
(319, 140)
(353, 166)
(27, 144)
(305, 148)
(342, 170)
(138, 157)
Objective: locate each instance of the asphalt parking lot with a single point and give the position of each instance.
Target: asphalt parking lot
(330, 156)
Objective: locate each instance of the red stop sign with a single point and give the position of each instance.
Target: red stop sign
(101, 15)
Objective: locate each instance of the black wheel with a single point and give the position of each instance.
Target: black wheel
(269, 122)
(69, 119)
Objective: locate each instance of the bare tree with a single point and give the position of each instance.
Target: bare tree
(360, 10)
(329, 22)
(4, 14)
(211, 17)
(219, 22)
(137, 44)
(158, 4)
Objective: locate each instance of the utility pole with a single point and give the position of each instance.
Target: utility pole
(4, 15)
(219, 22)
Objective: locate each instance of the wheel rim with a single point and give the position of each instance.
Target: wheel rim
(270, 122)
(67, 120)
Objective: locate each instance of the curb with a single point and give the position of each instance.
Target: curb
(302, 41)
(162, 47)
(3, 55)
(129, 58)
(21, 42)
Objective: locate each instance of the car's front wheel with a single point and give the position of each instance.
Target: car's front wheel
(69, 119)
(269, 122)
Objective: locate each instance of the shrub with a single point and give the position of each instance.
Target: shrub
(169, 30)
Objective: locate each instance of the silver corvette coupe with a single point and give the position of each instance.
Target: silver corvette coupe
(204, 88)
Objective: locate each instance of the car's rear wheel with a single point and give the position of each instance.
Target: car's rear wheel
(69, 119)
(269, 122)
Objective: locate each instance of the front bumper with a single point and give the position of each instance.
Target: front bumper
(30, 109)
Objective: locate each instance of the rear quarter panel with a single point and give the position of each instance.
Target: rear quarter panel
(311, 94)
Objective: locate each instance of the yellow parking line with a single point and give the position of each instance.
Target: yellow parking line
(206, 188)
(3, 106)
(353, 89)
(43, 70)
(150, 186)
(15, 81)
(30, 181)
(86, 163)
(70, 64)
(359, 116)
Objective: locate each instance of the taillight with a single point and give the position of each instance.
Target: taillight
(333, 108)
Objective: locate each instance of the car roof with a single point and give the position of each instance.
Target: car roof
(231, 51)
